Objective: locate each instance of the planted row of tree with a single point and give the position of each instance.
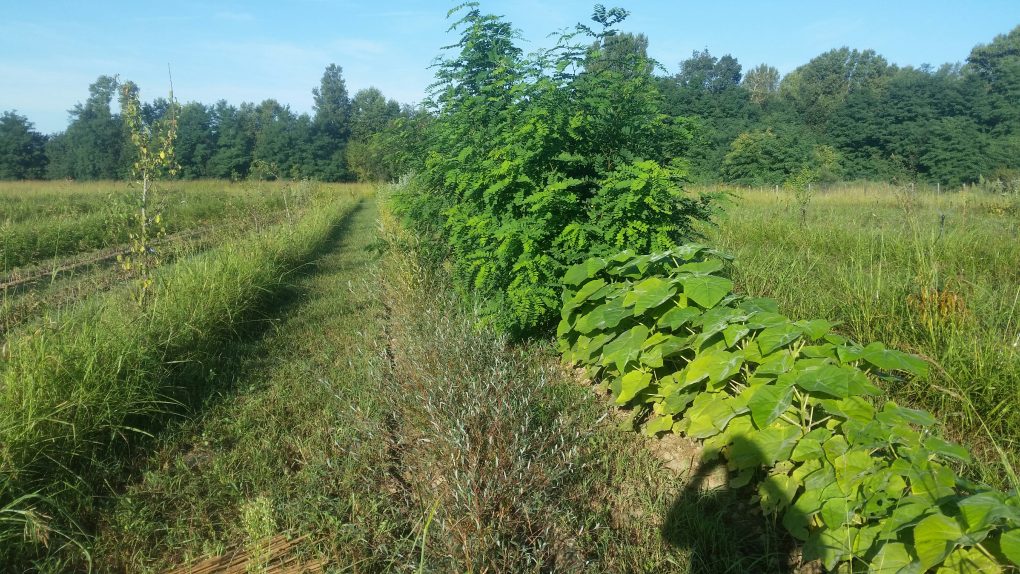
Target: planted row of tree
(794, 410)
(540, 180)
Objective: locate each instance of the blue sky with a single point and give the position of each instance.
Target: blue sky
(50, 51)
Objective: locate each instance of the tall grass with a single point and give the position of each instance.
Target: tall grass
(935, 274)
(78, 387)
(43, 220)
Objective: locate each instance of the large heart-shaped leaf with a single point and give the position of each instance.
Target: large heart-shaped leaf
(677, 316)
(605, 316)
(935, 537)
(649, 293)
(717, 366)
(892, 360)
(706, 290)
(768, 402)
(625, 348)
(891, 558)
(778, 336)
(578, 273)
(631, 384)
(1010, 545)
(835, 381)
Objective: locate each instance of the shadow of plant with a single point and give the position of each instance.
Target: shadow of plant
(721, 524)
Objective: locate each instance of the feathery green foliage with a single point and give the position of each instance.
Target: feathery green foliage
(533, 164)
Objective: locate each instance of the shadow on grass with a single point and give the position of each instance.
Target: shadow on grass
(722, 527)
(199, 387)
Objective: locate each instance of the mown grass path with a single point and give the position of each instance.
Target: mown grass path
(268, 455)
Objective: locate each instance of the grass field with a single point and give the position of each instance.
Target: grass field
(85, 383)
(52, 220)
(934, 274)
(308, 373)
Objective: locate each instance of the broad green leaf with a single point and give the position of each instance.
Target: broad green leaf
(892, 360)
(815, 329)
(856, 408)
(648, 293)
(835, 381)
(605, 316)
(968, 561)
(707, 290)
(710, 416)
(807, 449)
(676, 402)
(766, 319)
(631, 384)
(587, 290)
(980, 511)
(655, 339)
(829, 546)
(775, 364)
(734, 333)
(892, 558)
(652, 358)
(659, 424)
(826, 351)
(796, 521)
(905, 513)
(852, 467)
(688, 251)
(578, 273)
(768, 402)
(764, 447)
(1009, 543)
(635, 268)
(947, 449)
(563, 328)
(755, 305)
(677, 316)
(866, 435)
(717, 366)
(777, 492)
(849, 354)
(706, 267)
(935, 537)
(893, 413)
(837, 511)
(587, 349)
(778, 336)
(625, 348)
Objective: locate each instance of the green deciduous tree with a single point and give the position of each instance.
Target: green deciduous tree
(93, 145)
(22, 149)
(761, 82)
(533, 164)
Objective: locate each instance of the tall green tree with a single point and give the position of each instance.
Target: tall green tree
(817, 89)
(332, 122)
(761, 82)
(94, 143)
(196, 140)
(371, 112)
(234, 130)
(22, 149)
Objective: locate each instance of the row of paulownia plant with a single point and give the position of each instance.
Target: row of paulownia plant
(552, 186)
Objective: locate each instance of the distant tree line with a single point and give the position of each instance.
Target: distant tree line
(215, 141)
(850, 114)
(845, 115)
